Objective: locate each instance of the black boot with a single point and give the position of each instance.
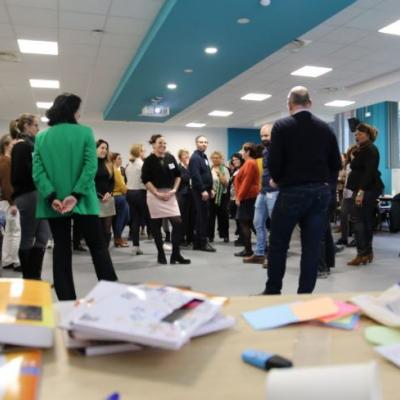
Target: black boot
(176, 257)
(24, 261)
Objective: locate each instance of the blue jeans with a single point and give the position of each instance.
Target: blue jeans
(265, 203)
(121, 215)
(306, 205)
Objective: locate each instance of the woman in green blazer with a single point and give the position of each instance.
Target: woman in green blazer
(64, 167)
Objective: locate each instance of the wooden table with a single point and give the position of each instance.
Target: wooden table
(209, 367)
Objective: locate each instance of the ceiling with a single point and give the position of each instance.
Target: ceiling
(181, 32)
(366, 65)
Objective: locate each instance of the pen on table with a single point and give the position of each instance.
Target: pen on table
(113, 396)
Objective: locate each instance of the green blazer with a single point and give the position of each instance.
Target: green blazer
(65, 162)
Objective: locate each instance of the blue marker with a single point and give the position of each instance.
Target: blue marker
(113, 396)
(263, 360)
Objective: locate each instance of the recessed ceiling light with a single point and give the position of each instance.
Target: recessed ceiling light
(243, 21)
(392, 29)
(44, 119)
(188, 71)
(220, 113)
(44, 83)
(195, 125)
(256, 96)
(211, 50)
(339, 103)
(44, 104)
(37, 47)
(311, 71)
(172, 86)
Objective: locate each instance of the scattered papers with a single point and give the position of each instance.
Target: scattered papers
(349, 323)
(385, 309)
(391, 352)
(381, 335)
(345, 309)
(285, 314)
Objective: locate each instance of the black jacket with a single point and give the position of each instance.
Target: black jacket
(21, 167)
(364, 173)
(200, 172)
(104, 181)
(303, 150)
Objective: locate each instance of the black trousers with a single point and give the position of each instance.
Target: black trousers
(62, 252)
(221, 214)
(186, 207)
(176, 236)
(138, 211)
(363, 218)
(202, 209)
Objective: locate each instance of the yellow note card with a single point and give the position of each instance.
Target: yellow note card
(316, 308)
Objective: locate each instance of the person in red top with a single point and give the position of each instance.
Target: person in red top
(247, 185)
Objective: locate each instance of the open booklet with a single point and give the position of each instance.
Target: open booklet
(150, 315)
(384, 308)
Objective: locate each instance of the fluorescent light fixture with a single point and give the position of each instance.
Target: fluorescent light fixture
(37, 47)
(172, 86)
(195, 125)
(211, 50)
(220, 113)
(256, 96)
(340, 103)
(311, 71)
(44, 119)
(44, 104)
(243, 21)
(44, 83)
(188, 71)
(392, 29)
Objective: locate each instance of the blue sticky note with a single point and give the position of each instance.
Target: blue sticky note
(345, 323)
(270, 317)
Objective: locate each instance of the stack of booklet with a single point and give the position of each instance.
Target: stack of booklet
(117, 317)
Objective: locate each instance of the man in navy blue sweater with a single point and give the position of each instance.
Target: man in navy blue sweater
(202, 184)
(304, 154)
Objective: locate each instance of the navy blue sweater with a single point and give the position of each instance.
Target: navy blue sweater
(200, 172)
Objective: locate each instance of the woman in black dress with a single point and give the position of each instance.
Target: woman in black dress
(365, 182)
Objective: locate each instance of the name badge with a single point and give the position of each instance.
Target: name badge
(171, 166)
(206, 161)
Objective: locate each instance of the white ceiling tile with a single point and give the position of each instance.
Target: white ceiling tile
(87, 22)
(343, 17)
(50, 4)
(318, 32)
(370, 3)
(79, 50)
(351, 52)
(143, 9)
(127, 25)
(130, 42)
(70, 36)
(372, 20)
(6, 31)
(30, 16)
(3, 14)
(393, 6)
(344, 35)
(35, 33)
(86, 6)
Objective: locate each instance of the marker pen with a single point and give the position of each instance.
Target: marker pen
(264, 360)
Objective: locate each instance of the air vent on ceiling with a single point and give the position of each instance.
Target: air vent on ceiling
(296, 45)
(9, 56)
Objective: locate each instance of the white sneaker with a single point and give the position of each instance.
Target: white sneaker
(167, 247)
(137, 251)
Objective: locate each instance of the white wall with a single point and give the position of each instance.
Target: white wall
(121, 135)
(395, 181)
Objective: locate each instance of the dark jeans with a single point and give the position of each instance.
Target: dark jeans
(202, 209)
(362, 218)
(327, 253)
(219, 212)
(186, 207)
(345, 211)
(306, 205)
(62, 253)
(138, 210)
(121, 216)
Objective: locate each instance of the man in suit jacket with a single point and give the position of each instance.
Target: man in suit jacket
(303, 155)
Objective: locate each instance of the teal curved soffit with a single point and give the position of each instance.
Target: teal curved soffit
(182, 30)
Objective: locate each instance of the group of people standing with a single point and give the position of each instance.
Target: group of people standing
(62, 177)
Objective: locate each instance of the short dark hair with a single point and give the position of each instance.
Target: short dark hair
(64, 109)
(198, 137)
(251, 148)
(154, 138)
(100, 142)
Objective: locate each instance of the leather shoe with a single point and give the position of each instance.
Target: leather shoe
(179, 259)
(207, 247)
(254, 259)
(243, 253)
